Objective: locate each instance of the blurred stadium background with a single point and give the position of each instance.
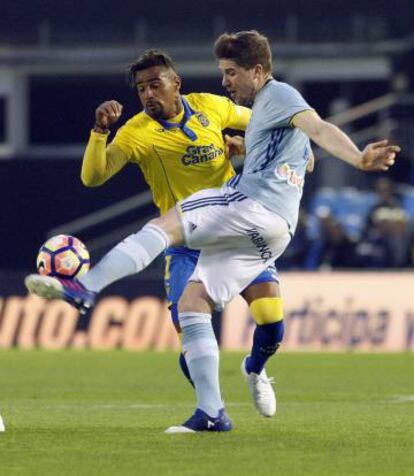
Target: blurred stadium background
(347, 277)
(353, 61)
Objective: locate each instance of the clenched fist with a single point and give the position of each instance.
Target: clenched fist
(107, 114)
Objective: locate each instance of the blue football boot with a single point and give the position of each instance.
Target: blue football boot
(69, 290)
(200, 421)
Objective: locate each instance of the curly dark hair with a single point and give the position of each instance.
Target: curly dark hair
(148, 59)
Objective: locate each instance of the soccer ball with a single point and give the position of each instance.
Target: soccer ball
(63, 256)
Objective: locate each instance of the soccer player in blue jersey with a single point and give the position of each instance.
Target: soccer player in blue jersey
(241, 227)
(178, 144)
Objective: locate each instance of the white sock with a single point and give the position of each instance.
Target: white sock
(130, 256)
(202, 356)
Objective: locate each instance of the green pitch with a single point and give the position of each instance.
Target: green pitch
(92, 413)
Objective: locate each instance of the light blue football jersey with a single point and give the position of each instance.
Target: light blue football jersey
(276, 153)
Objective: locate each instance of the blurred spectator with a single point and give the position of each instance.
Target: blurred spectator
(355, 230)
(387, 242)
(386, 198)
(338, 250)
(333, 248)
(296, 253)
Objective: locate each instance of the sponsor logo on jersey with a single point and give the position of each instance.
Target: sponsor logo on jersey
(285, 173)
(202, 119)
(260, 244)
(198, 154)
(161, 129)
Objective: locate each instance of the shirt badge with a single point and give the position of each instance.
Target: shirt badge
(202, 119)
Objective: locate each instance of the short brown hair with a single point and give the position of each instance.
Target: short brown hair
(148, 59)
(245, 48)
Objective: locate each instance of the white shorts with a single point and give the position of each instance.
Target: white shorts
(238, 237)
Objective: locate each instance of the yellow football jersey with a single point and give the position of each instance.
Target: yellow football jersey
(174, 165)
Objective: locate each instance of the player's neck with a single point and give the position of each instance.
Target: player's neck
(263, 81)
(175, 110)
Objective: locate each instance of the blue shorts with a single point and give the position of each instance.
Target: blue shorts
(180, 262)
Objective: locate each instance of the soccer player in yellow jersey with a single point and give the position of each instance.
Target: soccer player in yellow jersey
(177, 142)
(241, 227)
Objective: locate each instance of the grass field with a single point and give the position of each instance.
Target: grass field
(92, 413)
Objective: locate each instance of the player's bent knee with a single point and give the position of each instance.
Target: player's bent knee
(267, 310)
(195, 299)
(195, 304)
(171, 225)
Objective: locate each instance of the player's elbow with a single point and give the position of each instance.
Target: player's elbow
(90, 181)
(318, 130)
(321, 132)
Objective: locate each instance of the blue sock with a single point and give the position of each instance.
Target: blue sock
(184, 368)
(266, 341)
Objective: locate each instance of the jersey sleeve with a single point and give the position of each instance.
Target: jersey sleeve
(100, 162)
(284, 104)
(232, 116)
(131, 140)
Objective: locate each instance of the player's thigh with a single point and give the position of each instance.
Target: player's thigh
(226, 272)
(266, 285)
(195, 298)
(261, 290)
(208, 218)
(170, 223)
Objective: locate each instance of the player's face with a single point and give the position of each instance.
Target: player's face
(240, 83)
(158, 90)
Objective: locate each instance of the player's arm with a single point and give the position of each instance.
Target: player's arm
(311, 162)
(230, 114)
(238, 116)
(234, 146)
(375, 157)
(101, 162)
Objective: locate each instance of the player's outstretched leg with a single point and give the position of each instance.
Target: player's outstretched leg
(69, 290)
(130, 256)
(268, 314)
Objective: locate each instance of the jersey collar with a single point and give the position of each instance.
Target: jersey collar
(188, 112)
(268, 80)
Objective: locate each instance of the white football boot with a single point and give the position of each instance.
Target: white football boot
(261, 389)
(2, 427)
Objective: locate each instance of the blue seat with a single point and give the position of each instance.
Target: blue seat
(407, 201)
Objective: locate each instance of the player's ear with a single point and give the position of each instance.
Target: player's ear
(178, 82)
(258, 71)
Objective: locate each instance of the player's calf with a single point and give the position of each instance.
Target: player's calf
(268, 315)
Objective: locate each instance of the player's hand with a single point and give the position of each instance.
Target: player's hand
(234, 145)
(378, 156)
(107, 114)
(311, 162)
